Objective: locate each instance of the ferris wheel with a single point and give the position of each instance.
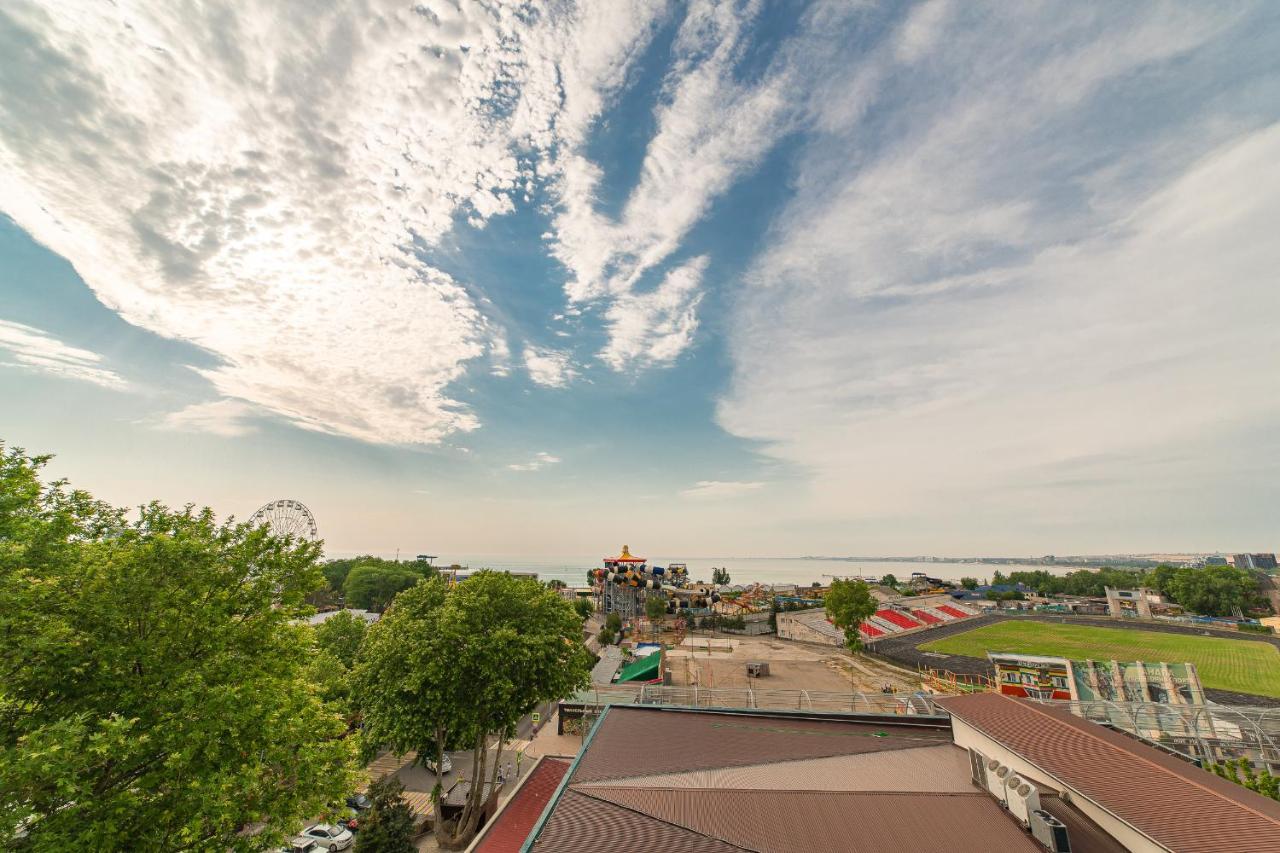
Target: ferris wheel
(287, 518)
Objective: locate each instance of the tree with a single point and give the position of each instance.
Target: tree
(584, 607)
(340, 636)
(656, 609)
(1242, 772)
(889, 580)
(455, 667)
(556, 584)
(614, 623)
(720, 577)
(154, 693)
(372, 586)
(387, 827)
(969, 583)
(848, 605)
(1213, 590)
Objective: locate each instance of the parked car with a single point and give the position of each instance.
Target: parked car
(329, 837)
(359, 802)
(301, 844)
(447, 765)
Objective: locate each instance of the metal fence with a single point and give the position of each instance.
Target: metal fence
(855, 702)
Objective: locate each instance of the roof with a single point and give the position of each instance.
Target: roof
(652, 778)
(608, 665)
(646, 668)
(508, 830)
(1176, 804)
(624, 557)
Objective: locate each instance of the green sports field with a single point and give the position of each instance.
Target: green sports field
(1247, 666)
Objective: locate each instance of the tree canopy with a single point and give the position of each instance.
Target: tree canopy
(370, 585)
(451, 667)
(720, 577)
(387, 827)
(154, 693)
(1211, 590)
(848, 605)
(340, 636)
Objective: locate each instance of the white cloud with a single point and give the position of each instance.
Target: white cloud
(226, 418)
(255, 181)
(647, 329)
(955, 314)
(539, 461)
(33, 349)
(710, 129)
(717, 489)
(549, 368)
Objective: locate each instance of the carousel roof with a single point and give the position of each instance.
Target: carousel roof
(625, 557)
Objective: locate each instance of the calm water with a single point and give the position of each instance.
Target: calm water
(573, 570)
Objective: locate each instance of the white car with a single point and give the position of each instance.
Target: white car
(301, 844)
(329, 837)
(446, 765)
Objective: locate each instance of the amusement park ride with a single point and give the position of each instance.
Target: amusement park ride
(626, 583)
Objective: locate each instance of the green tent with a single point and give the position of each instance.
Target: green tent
(648, 668)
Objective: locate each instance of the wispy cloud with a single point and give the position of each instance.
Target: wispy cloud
(33, 349)
(968, 286)
(537, 463)
(226, 418)
(265, 202)
(716, 489)
(648, 329)
(549, 368)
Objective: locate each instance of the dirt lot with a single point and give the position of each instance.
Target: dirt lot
(792, 666)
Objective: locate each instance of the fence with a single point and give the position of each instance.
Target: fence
(855, 702)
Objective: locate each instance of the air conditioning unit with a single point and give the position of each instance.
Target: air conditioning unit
(978, 768)
(1023, 798)
(995, 778)
(1049, 831)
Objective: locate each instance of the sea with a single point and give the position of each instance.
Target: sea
(802, 571)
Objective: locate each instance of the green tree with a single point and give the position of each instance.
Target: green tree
(584, 607)
(889, 580)
(969, 583)
(1213, 590)
(614, 623)
(459, 667)
(720, 577)
(371, 587)
(155, 693)
(556, 583)
(848, 605)
(387, 827)
(340, 635)
(656, 610)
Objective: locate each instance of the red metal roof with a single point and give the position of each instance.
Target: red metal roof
(516, 820)
(1175, 803)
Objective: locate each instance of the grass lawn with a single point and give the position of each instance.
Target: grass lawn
(1247, 666)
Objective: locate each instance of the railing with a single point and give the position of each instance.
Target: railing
(855, 702)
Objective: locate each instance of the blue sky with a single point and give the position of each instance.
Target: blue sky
(725, 278)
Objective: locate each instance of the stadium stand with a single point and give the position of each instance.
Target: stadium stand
(926, 617)
(903, 621)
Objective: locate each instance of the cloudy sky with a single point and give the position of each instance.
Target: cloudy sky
(710, 278)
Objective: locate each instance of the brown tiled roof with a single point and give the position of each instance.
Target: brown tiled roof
(507, 832)
(935, 769)
(1085, 835)
(582, 824)
(1177, 804)
(643, 741)
(829, 822)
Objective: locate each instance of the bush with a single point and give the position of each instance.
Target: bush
(387, 827)
(1255, 629)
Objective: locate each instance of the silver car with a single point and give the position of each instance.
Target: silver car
(329, 837)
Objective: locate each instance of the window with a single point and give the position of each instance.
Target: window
(1060, 681)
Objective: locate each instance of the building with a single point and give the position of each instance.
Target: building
(1255, 562)
(809, 626)
(1041, 677)
(998, 774)
(1130, 602)
(1138, 797)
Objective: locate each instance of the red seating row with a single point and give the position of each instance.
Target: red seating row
(870, 630)
(951, 611)
(926, 617)
(899, 619)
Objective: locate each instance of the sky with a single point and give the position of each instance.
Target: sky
(712, 278)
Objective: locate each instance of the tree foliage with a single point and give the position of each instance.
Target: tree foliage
(154, 693)
(889, 580)
(370, 585)
(387, 827)
(1211, 590)
(584, 607)
(340, 635)
(969, 583)
(453, 667)
(655, 609)
(848, 605)
(720, 577)
(1242, 772)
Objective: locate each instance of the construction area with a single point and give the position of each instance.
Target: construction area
(727, 662)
